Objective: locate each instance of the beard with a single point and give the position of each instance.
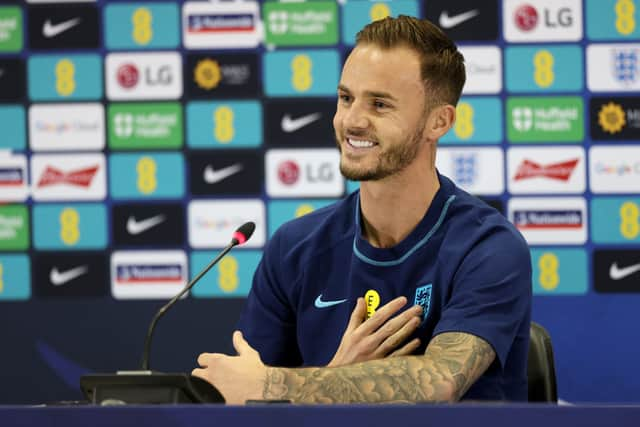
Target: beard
(390, 161)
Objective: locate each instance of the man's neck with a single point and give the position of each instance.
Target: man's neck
(391, 208)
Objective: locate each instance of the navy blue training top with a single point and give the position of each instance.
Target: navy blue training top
(467, 266)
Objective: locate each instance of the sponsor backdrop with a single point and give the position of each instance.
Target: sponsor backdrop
(137, 135)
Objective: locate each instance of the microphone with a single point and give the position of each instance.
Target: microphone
(240, 236)
(145, 386)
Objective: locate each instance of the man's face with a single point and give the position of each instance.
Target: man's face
(380, 118)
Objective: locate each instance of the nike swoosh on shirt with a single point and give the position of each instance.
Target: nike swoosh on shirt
(58, 278)
(136, 227)
(324, 304)
(212, 176)
(50, 30)
(447, 21)
(617, 273)
(291, 125)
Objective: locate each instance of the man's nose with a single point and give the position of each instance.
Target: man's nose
(355, 117)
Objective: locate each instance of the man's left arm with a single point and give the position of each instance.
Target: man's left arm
(452, 362)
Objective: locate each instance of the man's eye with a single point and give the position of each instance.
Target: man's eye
(345, 98)
(379, 104)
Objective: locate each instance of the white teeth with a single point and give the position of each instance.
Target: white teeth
(360, 144)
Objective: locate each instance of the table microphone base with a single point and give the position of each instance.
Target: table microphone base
(147, 387)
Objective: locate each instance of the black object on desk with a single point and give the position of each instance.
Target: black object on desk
(146, 387)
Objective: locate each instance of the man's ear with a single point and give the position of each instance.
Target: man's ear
(440, 120)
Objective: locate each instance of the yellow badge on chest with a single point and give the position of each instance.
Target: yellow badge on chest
(372, 300)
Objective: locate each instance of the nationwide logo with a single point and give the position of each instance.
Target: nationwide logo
(550, 220)
(11, 176)
(131, 274)
(611, 118)
(294, 24)
(542, 20)
(221, 25)
(288, 172)
(147, 274)
(559, 171)
(58, 127)
(547, 219)
(10, 29)
(78, 178)
(614, 169)
(543, 119)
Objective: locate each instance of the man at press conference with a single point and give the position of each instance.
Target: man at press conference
(408, 290)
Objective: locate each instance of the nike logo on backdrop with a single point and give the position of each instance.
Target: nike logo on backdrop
(212, 176)
(324, 304)
(617, 273)
(136, 227)
(58, 278)
(291, 125)
(50, 30)
(447, 21)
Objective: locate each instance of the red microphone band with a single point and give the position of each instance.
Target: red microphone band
(239, 237)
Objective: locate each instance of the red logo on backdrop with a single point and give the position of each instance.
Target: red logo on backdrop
(526, 17)
(79, 178)
(559, 171)
(127, 75)
(288, 172)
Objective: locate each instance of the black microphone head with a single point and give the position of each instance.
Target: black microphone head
(243, 233)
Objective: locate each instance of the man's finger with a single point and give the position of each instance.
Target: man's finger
(204, 358)
(382, 315)
(241, 345)
(407, 349)
(357, 316)
(396, 331)
(200, 373)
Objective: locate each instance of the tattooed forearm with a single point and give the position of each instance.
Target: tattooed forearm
(451, 364)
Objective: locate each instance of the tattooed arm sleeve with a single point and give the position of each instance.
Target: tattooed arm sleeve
(452, 362)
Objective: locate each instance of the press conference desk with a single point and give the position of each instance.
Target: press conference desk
(323, 416)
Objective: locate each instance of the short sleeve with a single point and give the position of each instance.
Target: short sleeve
(491, 292)
(268, 321)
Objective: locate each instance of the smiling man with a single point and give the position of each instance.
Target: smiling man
(319, 324)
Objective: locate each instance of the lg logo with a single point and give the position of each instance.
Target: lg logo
(128, 76)
(289, 172)
(526, 17)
